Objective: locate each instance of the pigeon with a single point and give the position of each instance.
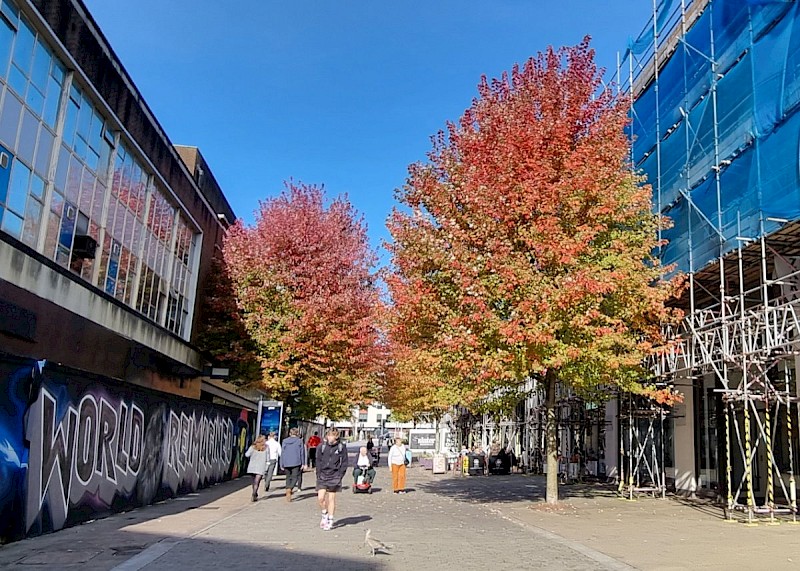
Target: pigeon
(375, 545)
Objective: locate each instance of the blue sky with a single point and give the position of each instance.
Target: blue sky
(341, 92)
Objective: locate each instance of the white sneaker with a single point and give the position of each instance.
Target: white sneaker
(328, 524)
(324, 521)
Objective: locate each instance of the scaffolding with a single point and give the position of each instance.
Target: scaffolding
(581, 427)
(748, 342)
(641, 433)
(714, 87)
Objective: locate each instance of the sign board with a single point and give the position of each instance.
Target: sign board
(421, 440)
(270, 417)
(679, 414)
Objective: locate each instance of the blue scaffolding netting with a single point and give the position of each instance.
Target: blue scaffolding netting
(714, 122)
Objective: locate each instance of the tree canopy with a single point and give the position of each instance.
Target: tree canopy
(303, 284)
(525, 246)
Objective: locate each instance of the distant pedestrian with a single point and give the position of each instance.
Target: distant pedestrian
(398, 460)
(274, 455)
(312, 444)
(370, 444)
(259, 458)
(293, 457)
(331, 468)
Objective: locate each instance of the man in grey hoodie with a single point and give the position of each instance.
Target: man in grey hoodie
(293, 458)
(331, 468)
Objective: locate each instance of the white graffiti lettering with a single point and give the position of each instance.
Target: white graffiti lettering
(92, 453)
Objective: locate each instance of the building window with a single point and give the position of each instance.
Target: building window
(178, 312)
(80, 179)
(32, 80)
(100, 193)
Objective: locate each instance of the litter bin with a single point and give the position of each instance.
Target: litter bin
(477, 464)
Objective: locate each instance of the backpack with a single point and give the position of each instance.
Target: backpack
(339, 447)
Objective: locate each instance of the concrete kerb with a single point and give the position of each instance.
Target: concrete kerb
(635, 533)
(606, 561)
(601, 558)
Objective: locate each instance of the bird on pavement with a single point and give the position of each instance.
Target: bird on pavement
(376, 545)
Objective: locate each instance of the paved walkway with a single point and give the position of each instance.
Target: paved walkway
(648, 533)
(445, 522)
(221, 528)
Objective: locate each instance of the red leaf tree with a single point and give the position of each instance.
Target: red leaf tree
(524, 248)
(303, 284)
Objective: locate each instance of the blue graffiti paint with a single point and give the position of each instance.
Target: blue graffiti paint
(16, 378)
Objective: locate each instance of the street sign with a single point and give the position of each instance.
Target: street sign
(422, 440)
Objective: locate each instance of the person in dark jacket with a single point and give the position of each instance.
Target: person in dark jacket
(293, 458)
(331, 468)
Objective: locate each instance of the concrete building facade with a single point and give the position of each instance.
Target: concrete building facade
(375, 419)
(107, 233)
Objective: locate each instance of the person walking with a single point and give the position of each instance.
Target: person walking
(259, 458)
(374, 452)
(331, 468)
(313, 442)
(274, 455)
(293, 457)
(398, 461)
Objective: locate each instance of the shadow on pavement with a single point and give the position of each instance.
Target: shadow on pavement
(509, 489)
(171, 506)
(205, 553)
(355, 520)
(199, 553)
(706, 507)
(107, 541)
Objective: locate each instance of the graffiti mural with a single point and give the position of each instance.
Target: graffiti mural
(16, 379)
(76, 447)
(243, 441)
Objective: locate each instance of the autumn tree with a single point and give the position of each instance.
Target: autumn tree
(524, 247)
(303, 284)
(412, 384)
(221, 330)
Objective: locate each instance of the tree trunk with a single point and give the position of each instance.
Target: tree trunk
(551, 434)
